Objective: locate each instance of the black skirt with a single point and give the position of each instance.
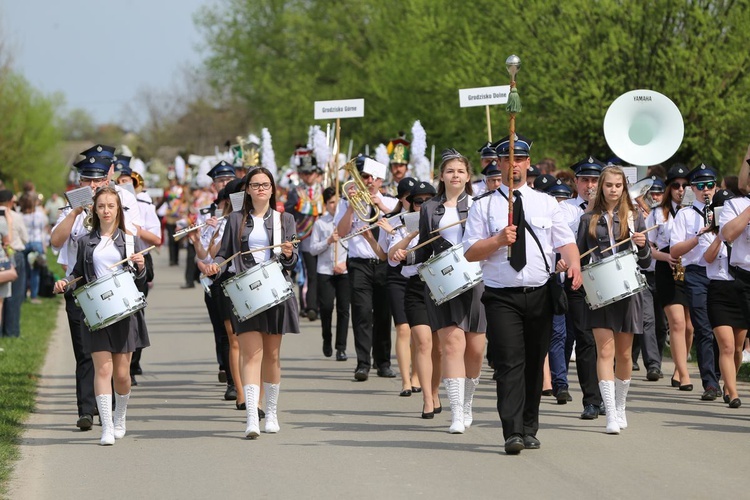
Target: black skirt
(723, 304)
(670, 291)
(625, 315)
(122, 337)
(465, 311)
(414, 302)
(396, 285)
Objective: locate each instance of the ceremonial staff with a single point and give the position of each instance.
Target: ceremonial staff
(513, 63)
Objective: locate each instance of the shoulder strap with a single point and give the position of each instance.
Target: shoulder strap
(539, 244)
(129, 245)
(276, 232)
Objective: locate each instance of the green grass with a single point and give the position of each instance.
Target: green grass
(21, 361)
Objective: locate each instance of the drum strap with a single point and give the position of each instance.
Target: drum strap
(129, 245)
(276, 232)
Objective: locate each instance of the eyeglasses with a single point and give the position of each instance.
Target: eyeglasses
(678, 185)
(705, 185)
(259, 185)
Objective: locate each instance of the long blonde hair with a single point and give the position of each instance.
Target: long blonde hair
(623, 208)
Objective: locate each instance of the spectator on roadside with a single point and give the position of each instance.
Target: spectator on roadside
(52, 207)
(37, 228)
(11, 222)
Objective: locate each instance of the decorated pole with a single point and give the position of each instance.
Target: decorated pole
(335, 166)
(489, 123)
(513, 63)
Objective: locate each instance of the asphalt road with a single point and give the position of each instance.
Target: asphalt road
(341, 438)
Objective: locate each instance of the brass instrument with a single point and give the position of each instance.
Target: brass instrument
(360, 200)
(182, 232)
(88, 221)
(678, 271)
(708, 212)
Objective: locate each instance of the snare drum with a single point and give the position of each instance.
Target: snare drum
(448, 274)
(109, 299)
(611, 279)
(258, 289)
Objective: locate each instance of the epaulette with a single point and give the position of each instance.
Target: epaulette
(483, 195)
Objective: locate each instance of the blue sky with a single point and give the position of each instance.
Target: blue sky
(99, 53)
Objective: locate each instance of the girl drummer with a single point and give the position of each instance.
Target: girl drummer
(111, 347)
(612, 219)
(460, 322)
(669, 275)
(259, 225)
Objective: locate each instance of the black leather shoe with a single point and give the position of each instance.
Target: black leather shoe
(602, 410)
(416, 390)
(327, 349)
(361, 374)
(405, 393)
(686, 387)
(341, 355)
(653, 374)
(711, 394)
(563, 396)
(514, 445)
(133, 381)
(222, 376)
(241, 406)
(674, 383)
(231, 393)
(547, 392)
(85, 422)
(531, 443)
(138, 370)
(636, 368)
(735, 403)
(438, 409)
(590, 412)
(312, 314)
(427, 415)
(386, 372)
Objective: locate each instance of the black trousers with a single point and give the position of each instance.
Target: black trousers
(696, 288)
(221, 341)
(191, 268)
(519, 324)
(85, 397)
(371, 316)
(174, 246)
(330, 288)
(311, 273)
(654, 329)
(575, 321)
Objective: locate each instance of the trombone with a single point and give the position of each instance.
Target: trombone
(360, 200)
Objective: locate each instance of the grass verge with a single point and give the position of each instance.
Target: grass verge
(21, 361)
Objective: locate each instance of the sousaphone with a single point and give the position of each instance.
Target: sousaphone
(643, 127)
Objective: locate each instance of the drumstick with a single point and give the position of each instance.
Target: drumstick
(136, 253)
(449, 225)
(293, 242)
(410, 250)
(617, 244)
(73, 281)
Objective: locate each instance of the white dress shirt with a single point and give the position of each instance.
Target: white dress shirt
(741, 246)
(322, 229)
(686, 225)
(718, 269)
(489, 215)
(358, 246)
(400, 234)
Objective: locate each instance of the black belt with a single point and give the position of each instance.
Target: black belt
(521, 289)
(365, 261)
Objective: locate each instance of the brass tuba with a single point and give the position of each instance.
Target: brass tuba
(360, 200)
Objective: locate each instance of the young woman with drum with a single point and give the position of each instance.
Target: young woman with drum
(258, 225)
(112, 346)
(460, 321)
(670, 276)
(415, 303)
(612, 219)
(724, 304)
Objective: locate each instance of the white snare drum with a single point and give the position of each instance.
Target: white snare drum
(259, 288)
(611, 279)
(449, 274)
(109, 299)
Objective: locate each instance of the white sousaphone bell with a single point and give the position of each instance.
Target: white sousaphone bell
(643, 127)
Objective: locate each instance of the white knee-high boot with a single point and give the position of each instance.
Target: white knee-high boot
(121, 407)
(252, 394)
(607, 388)
(271, 401)
(621, 394)
(104, 404)
(455, 389)
(470, 385)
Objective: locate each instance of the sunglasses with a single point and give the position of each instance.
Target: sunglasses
(678, 185)
(418, 201)
(705, 185)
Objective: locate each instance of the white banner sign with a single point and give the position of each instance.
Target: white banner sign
(483, 96)
(348, 108)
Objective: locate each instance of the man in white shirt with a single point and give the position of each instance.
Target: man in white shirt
(517, 298)
(371, 318)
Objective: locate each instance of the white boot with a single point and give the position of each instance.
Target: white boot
(271, 400)
(455, 389)
(252, 394)
(470, 385)
(121, 407)
(104, 404)
(621, 394)
(607, 388)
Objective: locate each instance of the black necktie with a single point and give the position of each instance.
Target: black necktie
(518, 249)
(583, 205)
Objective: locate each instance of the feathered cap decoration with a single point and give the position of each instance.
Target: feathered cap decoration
(320, 148)
(398, 149)
(381, 154)
(268, 157)
(418, 149)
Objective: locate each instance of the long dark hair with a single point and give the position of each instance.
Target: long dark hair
(247, 204)
(448, 156)
(95, 222)
(666, 202)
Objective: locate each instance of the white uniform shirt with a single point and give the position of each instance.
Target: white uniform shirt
(131, 208)
(105, 255)
(207, 236)
(574, 208)
(358, 246)
(686, 225)
(322, 229)
(406, 271)
(660, 236)
(489, 215)
(741, 246)
(151, 222)
(718, 269)
(258, 238)
(453, 233)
